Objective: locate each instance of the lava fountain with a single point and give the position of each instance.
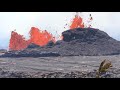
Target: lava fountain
(38, 37)
(42, 37)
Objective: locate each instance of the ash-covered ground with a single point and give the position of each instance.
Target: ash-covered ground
(57, 67)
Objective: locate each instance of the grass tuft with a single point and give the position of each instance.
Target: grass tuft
(103, 68)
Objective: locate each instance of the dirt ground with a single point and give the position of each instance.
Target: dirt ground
(41, 65)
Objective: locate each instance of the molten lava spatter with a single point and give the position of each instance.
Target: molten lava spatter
(90, 20)
(17, 41)
(78, 22)
(40, 37)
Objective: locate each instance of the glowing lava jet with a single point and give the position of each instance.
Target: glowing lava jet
(38, 37)
(78, 22)
(17, 41)
(41, 38)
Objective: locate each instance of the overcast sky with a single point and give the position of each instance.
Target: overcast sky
(52, 22)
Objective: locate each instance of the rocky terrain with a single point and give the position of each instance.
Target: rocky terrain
(58, 67)
(76, 42)
(2, 51)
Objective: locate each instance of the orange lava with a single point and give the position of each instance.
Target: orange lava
(78, 22)
(38, 37)
(17, 41)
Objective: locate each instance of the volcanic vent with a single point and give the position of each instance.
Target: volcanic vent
(78, 41)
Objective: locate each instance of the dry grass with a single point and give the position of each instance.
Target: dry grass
(104, 66)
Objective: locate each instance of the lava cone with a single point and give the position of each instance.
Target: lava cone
(78, 41)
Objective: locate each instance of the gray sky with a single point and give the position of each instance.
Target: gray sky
(52, 22)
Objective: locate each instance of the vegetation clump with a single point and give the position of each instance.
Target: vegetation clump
(103, 68)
